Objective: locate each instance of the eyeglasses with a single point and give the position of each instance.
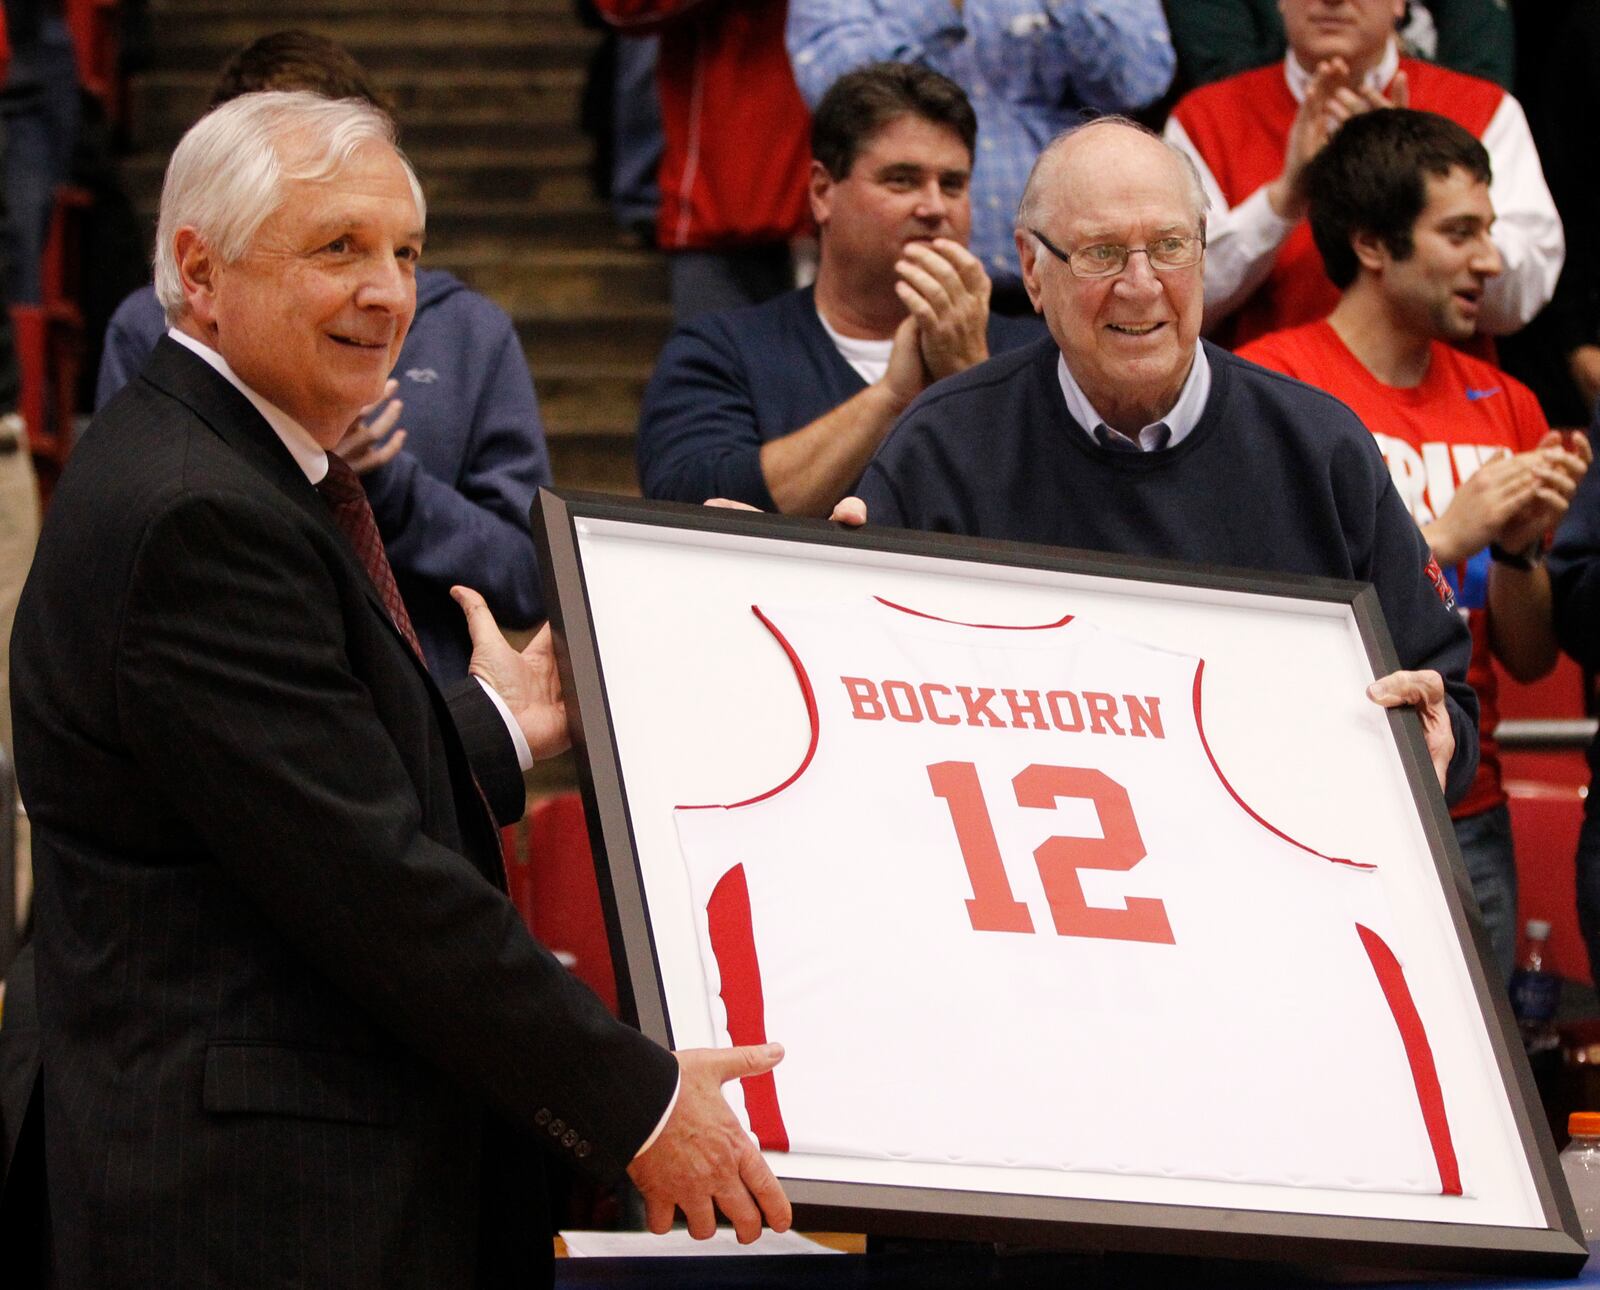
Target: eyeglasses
(1107, 259)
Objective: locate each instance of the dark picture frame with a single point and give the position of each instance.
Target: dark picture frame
(1535, 1233)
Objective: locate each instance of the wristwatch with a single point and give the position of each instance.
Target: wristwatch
(1527, 560)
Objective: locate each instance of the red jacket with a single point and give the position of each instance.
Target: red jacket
(736, 132)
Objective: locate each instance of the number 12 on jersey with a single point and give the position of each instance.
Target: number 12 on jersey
(993, 907)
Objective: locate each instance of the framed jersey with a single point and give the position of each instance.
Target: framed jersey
(1092, 900)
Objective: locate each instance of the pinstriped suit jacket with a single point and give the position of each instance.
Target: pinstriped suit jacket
(292, 1032)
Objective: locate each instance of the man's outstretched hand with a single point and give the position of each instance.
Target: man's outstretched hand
(704, 1160)
(527, 680)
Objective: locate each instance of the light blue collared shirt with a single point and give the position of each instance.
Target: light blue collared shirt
(1183, 416)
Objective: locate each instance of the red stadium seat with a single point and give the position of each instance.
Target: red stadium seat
(95, 47)
(1547, 789)
(48, 338)
(550, 872)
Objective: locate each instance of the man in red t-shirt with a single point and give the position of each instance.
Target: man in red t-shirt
(1400, 212)
(1252, 135)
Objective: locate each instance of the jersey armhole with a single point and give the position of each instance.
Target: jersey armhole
(1200, 729)
(804, 680)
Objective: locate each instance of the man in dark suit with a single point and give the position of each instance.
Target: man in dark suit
(292, 1032)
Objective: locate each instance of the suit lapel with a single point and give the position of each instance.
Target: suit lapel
(234, 419)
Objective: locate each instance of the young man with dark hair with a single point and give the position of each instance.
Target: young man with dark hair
(1253, 135)
(1401, 214)
(781, 404)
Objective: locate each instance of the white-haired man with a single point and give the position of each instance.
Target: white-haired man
(292, 1032)
(1124, 432)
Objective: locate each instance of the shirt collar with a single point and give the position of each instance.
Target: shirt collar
(1377, 79)
(1180, 420)
(308, 454)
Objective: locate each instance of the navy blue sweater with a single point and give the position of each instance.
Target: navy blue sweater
(728, 382)
(1276, 477)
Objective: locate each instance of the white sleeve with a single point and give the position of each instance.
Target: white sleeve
(519, 741)
(1241, 243)
(662, 1122)
(1527, 229)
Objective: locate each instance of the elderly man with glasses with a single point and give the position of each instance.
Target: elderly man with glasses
(1124, 432)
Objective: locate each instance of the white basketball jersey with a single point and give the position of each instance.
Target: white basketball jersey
(1016, 840)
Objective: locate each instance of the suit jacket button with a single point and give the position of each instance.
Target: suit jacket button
(541, 1117)
(556, 1126)
(569, 1137)
(581, 1150)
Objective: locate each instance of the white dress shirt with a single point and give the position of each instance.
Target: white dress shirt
(1179, 421)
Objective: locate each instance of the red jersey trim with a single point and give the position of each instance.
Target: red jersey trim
(994, 627)
(811, 713)
(733, 941)
(1244, 806)
(1430, 1097)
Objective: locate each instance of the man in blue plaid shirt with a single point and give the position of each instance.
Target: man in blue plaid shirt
(1029, 67)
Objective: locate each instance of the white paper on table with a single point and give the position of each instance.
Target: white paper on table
(647, 1245)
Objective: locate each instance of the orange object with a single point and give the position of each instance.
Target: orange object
(1584, 1124)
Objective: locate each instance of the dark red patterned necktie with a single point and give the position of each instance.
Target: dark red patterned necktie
(342, 490)
(352, 512)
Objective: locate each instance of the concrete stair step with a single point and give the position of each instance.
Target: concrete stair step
(558, 279)
(595, 396)
(509, 179)
(627, 334)
(589, 424)
(422, 128)
(588, 410)
(382, 44)
(477, 225)
(603, 465)
(473, 226)
(557, 175)
(164, 103)
(421, 131)
(302, 12)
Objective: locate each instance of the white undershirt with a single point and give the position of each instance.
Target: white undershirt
(870, 358)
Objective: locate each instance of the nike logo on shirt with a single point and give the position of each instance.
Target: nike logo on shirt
(1474, 395)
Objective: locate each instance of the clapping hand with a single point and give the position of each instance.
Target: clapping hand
(368, 444)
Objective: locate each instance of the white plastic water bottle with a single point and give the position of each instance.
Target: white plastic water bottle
(1580, 1162)
(1536, 994)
